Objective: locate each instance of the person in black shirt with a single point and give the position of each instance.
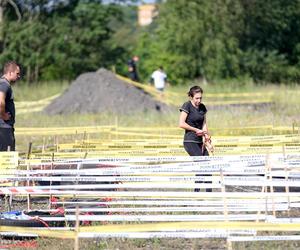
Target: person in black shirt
(11, 73)
(132, 69)
(193, 120)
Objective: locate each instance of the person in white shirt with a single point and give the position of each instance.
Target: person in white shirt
(159, 77)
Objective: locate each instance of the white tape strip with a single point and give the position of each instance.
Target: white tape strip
(160, 194)
(149, 235)
(235, 208)
(283, 220)
(230, 170)
(228, 180)
(115, 186)
(152, 159)
(14, 234)
(264, 238)
(140, 183)
(239, 217)
(115, 178)
(230, 202)
(242, 161)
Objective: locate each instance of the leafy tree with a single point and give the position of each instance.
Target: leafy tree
(269, 36)
(60, 39)
(194, 39)
(124, 37)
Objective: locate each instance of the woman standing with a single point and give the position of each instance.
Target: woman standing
(193, 120)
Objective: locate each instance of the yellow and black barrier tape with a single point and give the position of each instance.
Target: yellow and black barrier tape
(52, 233)
(259, 226)
(156, 227)
(159, 132)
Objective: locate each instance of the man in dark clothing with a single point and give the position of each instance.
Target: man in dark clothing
(11, 73)
(132, 69)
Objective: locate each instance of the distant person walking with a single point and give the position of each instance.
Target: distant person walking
(159, 78)
(11, 73)
(132, 69)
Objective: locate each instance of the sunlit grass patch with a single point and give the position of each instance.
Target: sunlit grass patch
(36, 91)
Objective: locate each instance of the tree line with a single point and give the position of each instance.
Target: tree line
(259, 39)
(225, 39)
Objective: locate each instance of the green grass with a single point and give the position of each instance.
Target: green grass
(283, 112)
(32, 92)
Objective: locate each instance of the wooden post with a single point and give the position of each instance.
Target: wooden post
(50, 182)
(264, 190)
(8, 197)
(28, 168)
(44, 142)
(287, 188)
(29, 150)
(28, 184)
(271, 185)
(76, 241)
(57, 145)
(223, 189)
(225, 207)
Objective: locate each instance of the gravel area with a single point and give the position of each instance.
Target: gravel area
(102, 91)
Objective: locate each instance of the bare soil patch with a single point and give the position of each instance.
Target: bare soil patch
(102, 91)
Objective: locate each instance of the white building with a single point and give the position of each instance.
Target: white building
(146, 13)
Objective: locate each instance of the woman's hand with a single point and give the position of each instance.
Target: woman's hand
(6, 116)
(206, 136)
(200, 132)
(207, 142)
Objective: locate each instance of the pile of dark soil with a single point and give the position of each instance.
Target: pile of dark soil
(102, 91)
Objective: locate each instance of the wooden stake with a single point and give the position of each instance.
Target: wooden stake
(229, 244)
(28, 168)
(76, 241)
(28, 184)
(269, 167)
(264, 190)
(8, 198)
(287, 188)
(223, 189)
(50, 183)
(43, 147)
(29, 150)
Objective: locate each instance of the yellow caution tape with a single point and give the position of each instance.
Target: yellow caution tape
(62, 234)
(144, 227)
(8, 160)
(29, 104)
(158, 132)
(156, 227)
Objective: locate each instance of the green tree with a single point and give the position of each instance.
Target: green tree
(60, 39)
(193, 39)
(269, 36)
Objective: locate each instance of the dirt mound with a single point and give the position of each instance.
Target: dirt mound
(102, 91)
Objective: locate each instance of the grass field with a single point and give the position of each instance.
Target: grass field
(282, 109)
